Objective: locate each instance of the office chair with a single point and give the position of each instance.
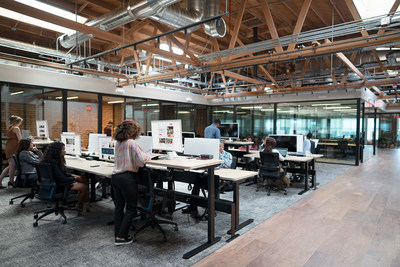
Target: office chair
(343, 147)
(271, 170)
(22, 181)
(48, 190)
(151, 204)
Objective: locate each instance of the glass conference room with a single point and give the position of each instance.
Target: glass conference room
(333, 123)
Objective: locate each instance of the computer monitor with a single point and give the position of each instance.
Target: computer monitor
(282, 151)
(229, 130)
(93, 145)
(106, 148)
(198, 146)
(293, 142)
(72, 144)
(167, 135)
(146, 143)
(187, 135)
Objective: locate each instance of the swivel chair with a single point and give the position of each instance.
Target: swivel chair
(50, 192)
(271, 170)
(23, 181)
(343, 147)
(151, 204)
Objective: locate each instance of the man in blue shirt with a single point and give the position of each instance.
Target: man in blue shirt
(212, 130)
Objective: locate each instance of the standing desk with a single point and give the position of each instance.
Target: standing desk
(306, 159)
(182, 163)
(239, 143)
(236, 176)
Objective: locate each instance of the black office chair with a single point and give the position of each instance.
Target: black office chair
(271, 170)
(23, 181)
(47, 190)
(151, 204)
(343, 147)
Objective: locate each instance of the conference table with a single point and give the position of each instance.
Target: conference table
(308, 160)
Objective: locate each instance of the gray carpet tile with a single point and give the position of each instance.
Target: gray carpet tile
(87, 240)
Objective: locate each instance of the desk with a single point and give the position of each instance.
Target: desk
(41, 142)
(183, 163)
(92, 168)
(306, 159)
(333, 144)
(239, 143)
(236, 176)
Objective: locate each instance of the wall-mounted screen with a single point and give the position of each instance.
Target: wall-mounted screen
(72, 144)
(229, 130)
(167, 135)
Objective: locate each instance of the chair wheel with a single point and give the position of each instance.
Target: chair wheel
(22, 205)
(35, 216)
(268, 194)
(64, 222)
(11, 202)
(176, 228)
(285, 193)
(35, 224)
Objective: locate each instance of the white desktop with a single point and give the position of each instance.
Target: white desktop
(198, 146)
(72, 144)
(167, 135)
(93, 145)
(145, 143)
(106, 148)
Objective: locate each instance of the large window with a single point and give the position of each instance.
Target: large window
(186, 112)
(52, 112)
(224, 113)
(113, 110)
(263, 120)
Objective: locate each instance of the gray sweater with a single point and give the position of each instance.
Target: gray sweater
(28, 159)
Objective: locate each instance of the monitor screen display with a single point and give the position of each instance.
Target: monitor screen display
(106, 145)
(93, 146)
(286, 141)
(229, 130)
(167, 135)
(187, 135)
(72, 144)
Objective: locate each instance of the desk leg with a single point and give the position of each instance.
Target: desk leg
(305, 180)
(211, 239)
(92, 179)
(314, 177)
(238, 225)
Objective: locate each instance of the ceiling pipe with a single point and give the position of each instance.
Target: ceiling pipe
(160, 10)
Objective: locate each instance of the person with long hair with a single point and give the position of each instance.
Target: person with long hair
(128, 158)
(13, 137)
(269, 146)
(29, 155)
(54, 155)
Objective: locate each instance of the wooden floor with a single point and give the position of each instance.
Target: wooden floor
(352, 221)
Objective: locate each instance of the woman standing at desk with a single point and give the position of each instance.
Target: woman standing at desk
(128, 158)
(13, 137)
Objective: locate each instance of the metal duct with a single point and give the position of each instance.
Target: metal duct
(159, 10)
(392, 58)
(116, 18)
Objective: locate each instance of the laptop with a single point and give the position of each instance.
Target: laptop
(282, 151)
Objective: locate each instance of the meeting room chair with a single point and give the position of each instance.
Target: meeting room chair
(22, 181)
(343, 147)
(271, 171)
(53, 194)
(151, 204)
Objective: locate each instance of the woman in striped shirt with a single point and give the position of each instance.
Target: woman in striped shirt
(128, 158)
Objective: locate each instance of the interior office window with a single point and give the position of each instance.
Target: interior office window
(387, 130)
(244, 116)
(152, 112)
(82, 114)
(186, 112)
(201, 119)
(53, 112)
(263, 120)
(168, 111)
(224, 113)
(113, 110)
(136, 110)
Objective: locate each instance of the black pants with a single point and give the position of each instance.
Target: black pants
(125, 197)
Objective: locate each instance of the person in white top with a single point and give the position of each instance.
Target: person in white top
(307, 144)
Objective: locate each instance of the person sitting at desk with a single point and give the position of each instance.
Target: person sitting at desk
(128, 158)
(55, 155)
(307, 149)
(227, 158)
(29, 155)
(270, 144)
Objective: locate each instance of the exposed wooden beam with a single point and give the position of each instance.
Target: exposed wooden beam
(138, 25)
(392, 10)
(352, 58)
(383, 69)
(356, 16)
(240, 77)
(329, 66)
(300, 21)
(321, 17)
(303, 70)
(103, 4)
(49, 17)
(184, 88)
(377, 90)
(349, 64)
(171, 37)
(235, 32)
(270, 23)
